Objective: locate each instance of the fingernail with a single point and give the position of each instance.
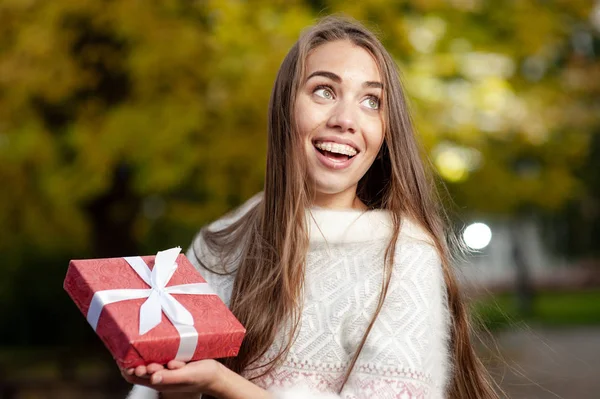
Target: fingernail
(129, 371)
(156, 379)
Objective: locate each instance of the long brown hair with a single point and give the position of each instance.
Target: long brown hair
(268, 243)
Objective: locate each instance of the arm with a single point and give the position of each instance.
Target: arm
(189, 381)
(233, 386)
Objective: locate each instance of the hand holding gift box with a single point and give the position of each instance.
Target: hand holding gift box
(124, 300)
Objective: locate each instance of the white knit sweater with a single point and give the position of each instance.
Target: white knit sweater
(406, 353)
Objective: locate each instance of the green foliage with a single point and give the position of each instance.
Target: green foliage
(173, 92)
(556, 309)
(126, 125)
(176, 93)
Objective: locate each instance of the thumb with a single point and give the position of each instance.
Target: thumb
(175, 364)
(197, 374)
(174, 376)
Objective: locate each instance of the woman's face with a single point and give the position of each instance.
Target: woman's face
(338, 114)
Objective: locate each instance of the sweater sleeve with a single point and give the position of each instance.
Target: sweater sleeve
(142, 392)
(406, 353)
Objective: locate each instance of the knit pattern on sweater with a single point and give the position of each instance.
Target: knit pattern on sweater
(406, 353)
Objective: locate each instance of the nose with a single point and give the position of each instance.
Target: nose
(343, 118)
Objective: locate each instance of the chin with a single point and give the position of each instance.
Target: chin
(331, 188)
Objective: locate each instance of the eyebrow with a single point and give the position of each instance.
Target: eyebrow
(337, 79)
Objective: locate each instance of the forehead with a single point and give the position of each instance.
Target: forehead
(345, 59)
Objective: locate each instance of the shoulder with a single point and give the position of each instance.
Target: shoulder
(418, 273)
(200, 248)
(416, 246)
(417, 259)
(218, 272)
(236, 214)
(411, 230)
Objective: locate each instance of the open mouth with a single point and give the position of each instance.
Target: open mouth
(335, 151)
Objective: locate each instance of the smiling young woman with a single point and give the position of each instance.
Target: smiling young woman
(337, 113)
(340, 270)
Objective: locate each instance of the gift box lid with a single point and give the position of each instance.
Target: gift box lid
(216, 331)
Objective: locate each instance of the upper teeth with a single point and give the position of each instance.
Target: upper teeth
(337, 148)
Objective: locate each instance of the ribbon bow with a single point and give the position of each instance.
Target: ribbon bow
(159, 299)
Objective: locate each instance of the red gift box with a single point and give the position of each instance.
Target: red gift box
(188, 322)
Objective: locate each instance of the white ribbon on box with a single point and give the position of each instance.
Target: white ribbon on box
(159, 300)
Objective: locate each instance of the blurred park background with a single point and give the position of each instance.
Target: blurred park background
(127, 125)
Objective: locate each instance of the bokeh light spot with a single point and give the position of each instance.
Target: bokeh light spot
(477, 235)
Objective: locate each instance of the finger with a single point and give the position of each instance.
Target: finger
(175, 364)
(172, 377)
(192, 374)
(128, 371)
(132, 379)
(140, 371)
(154, 367)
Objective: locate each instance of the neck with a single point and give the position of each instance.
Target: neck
(344, 200)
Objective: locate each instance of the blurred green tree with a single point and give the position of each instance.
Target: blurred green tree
(117, 116)
(126, 125)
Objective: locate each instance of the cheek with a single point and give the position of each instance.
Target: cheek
(376, 138)
(308, 117)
